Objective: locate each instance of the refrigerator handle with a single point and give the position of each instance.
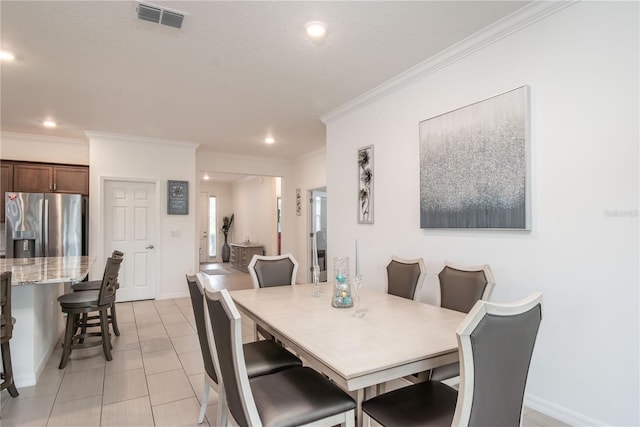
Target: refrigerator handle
(45, 228)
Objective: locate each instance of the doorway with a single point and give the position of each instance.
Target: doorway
(207, 230)
(129, 212)
(318, 230)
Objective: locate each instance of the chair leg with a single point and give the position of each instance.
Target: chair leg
(114, 320)
(205, 399)
(106, 338)
(8, 369)
(222, 406)
(68, 335)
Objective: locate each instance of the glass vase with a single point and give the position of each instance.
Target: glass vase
(341, 297)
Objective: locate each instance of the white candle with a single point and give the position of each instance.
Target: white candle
(357, 260)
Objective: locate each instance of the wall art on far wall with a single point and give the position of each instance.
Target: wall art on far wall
(474, 165)
(365, 185)
(298, 202)
(178, 197)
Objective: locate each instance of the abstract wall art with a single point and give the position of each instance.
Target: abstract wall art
(365, 185)
(474, 165)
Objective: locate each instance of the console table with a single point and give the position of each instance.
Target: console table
(241, 254)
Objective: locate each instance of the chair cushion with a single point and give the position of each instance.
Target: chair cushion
(267, 357)
(93, 285)
(428, 403)
(297, 396)
(79, 299)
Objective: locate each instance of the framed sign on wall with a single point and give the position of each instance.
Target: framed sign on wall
(178, 197)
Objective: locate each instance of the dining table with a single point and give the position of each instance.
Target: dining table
(395, 337)
(36, 284)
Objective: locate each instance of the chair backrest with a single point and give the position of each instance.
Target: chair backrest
(496, 343)
(461, 287)
(269, 271)
(228, 357)
(6, 325)
(405, 277)
(109, 284)
(196, 290)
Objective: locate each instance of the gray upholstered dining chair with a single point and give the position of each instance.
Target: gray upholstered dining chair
(293, 397)
(405, 277)
(276, 270)
(267, 271)
(496, 344)
(262, 357)
(460, 287)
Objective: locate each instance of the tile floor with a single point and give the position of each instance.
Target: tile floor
(155, 378)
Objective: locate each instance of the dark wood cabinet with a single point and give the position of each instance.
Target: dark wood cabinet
(6, 184)
(47, 178)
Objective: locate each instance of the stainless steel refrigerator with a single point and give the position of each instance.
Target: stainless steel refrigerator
(45, 224)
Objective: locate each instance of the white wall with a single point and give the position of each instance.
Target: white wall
(133, 158)
(256, 212)
(582, 253)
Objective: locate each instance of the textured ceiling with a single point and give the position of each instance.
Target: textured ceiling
(235, 73)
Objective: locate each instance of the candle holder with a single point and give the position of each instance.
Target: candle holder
(316, 281)
(357, 286)
(341, 297)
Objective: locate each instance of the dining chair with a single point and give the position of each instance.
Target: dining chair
(495, 343)
(275, 270)
(94, 285)
(460, 288)
(74, 304)
(267, 271)
(405, 277)
(262, 357)
(293, 397)
(6, 332)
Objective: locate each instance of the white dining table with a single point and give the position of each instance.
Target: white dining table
(396, 337)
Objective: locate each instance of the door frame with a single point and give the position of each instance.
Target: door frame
(310, 230)
(102, 254)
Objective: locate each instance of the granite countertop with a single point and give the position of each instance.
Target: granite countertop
(30, 271)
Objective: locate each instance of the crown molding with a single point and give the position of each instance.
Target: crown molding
(510, 24)
(121, 137)
(41, 138)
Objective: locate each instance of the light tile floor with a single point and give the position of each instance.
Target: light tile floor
(156, 376)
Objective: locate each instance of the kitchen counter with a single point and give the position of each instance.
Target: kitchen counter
(36, 285)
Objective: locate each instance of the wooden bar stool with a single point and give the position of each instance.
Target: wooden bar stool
(94, 285)
(6, 331)
(78, 303)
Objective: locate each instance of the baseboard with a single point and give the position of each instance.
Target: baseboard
(174, 295)
(560, 413)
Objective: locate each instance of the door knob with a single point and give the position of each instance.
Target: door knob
(149, 247)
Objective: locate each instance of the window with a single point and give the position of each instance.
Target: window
(213, 230)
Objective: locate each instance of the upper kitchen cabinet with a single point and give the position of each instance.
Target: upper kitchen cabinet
(46, 178)
(6, 184)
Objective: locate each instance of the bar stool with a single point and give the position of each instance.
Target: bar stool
(6, 331)
(77, 303)
(94, 285)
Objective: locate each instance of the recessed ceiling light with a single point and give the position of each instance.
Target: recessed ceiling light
(5, 55)
(205, 177)
(49, 124)
(269, 140)
(316, 30)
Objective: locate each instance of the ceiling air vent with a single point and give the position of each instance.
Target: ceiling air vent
(158, 15)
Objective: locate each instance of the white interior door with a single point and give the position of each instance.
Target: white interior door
(130, 226)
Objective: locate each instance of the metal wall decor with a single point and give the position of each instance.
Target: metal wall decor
(365, 185)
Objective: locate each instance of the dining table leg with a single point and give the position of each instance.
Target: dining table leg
(359, 413)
